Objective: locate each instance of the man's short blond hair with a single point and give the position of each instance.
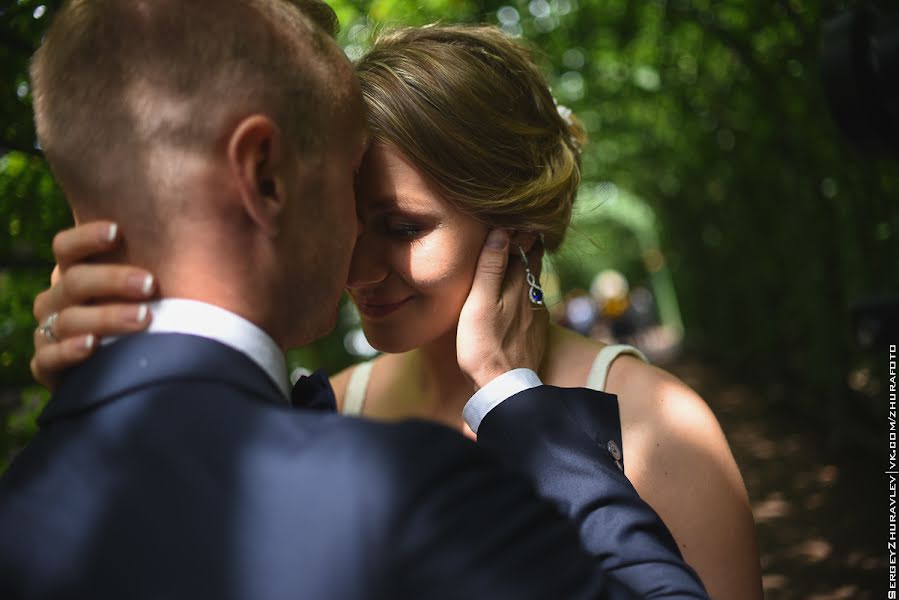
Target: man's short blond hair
(120, 83)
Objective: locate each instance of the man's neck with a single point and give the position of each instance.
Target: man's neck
(223, 283)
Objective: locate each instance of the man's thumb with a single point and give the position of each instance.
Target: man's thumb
(488, 278)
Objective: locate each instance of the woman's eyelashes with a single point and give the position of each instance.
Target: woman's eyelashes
(399, 226)
(392, 223)
(404, 230)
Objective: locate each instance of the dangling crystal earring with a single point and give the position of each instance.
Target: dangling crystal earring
(535, 293)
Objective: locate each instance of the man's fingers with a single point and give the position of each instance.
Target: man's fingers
(51, 361)
(84, 241)
(515, 286)
(535, 259)
(491, 269)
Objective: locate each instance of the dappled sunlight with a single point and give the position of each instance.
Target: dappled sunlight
(774, 581)
(812, 551)
(773, 507)
(828, 475)
(764, 449)
(842, 593)
(863, 561)
(814, 501)
(817, 537)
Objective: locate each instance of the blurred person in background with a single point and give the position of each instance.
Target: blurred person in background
(611, 292)
(580, 312)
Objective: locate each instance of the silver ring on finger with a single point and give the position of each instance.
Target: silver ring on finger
(46, 329)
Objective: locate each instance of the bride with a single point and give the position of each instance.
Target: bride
(466, 136)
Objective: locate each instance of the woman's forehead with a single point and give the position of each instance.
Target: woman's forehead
(388, 177)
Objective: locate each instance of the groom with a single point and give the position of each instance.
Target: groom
(223, 135)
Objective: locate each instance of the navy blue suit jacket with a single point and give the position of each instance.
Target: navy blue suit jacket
(168, 466)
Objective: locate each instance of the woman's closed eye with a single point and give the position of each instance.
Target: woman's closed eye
(405, 230)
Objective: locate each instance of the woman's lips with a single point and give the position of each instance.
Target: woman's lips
(378, 310)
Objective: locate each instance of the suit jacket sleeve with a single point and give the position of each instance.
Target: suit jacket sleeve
(549, 435)
(465, 527)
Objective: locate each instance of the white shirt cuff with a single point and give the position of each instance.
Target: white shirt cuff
(494, 393)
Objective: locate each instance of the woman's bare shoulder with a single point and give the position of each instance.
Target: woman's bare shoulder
(569, 357)
(649, 395)
(341, 379)
(664, 413)
(658, 393)
(634, 381)
(339, 382)
(679, 460)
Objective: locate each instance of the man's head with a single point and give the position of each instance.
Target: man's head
(208, 129)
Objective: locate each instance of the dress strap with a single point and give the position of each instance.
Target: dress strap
(609, 418)
(599, 372)
(354, 398)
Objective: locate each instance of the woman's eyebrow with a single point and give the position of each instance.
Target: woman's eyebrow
(404, 202)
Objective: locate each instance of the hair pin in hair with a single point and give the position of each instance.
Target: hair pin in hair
(567, 116)
(565, 113)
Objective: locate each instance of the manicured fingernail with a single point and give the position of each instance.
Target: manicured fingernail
(142, 311)
(498, 239)
(113, 231)
(89, 341)
(141, 283)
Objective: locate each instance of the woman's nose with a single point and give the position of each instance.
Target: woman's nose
(369, 265)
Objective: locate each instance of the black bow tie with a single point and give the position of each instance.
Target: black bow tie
(314, 392)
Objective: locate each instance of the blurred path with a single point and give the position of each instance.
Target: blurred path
(821, 517)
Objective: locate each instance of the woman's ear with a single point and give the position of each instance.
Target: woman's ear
(256, 161)
(525, 239)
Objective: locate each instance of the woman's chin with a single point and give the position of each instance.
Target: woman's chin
(393, 340)
(390, 344)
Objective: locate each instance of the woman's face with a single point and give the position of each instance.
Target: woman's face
(414, 262)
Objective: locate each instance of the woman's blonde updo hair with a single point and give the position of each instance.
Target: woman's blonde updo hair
(470, 109)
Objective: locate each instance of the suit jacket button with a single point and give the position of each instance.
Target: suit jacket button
(615, 453)
(614, 450)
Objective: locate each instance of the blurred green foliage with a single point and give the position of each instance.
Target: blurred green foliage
(710, 113)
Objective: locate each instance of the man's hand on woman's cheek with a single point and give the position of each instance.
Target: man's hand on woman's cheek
(499, 329)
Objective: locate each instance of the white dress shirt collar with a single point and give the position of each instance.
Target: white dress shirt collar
(176, 315)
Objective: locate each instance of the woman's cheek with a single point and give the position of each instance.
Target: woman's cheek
(444, 261)
(433, 265)
(443, 280)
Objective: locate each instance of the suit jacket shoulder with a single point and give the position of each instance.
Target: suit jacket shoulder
(557, 439)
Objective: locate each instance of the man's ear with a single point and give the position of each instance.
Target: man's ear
(257, 161)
